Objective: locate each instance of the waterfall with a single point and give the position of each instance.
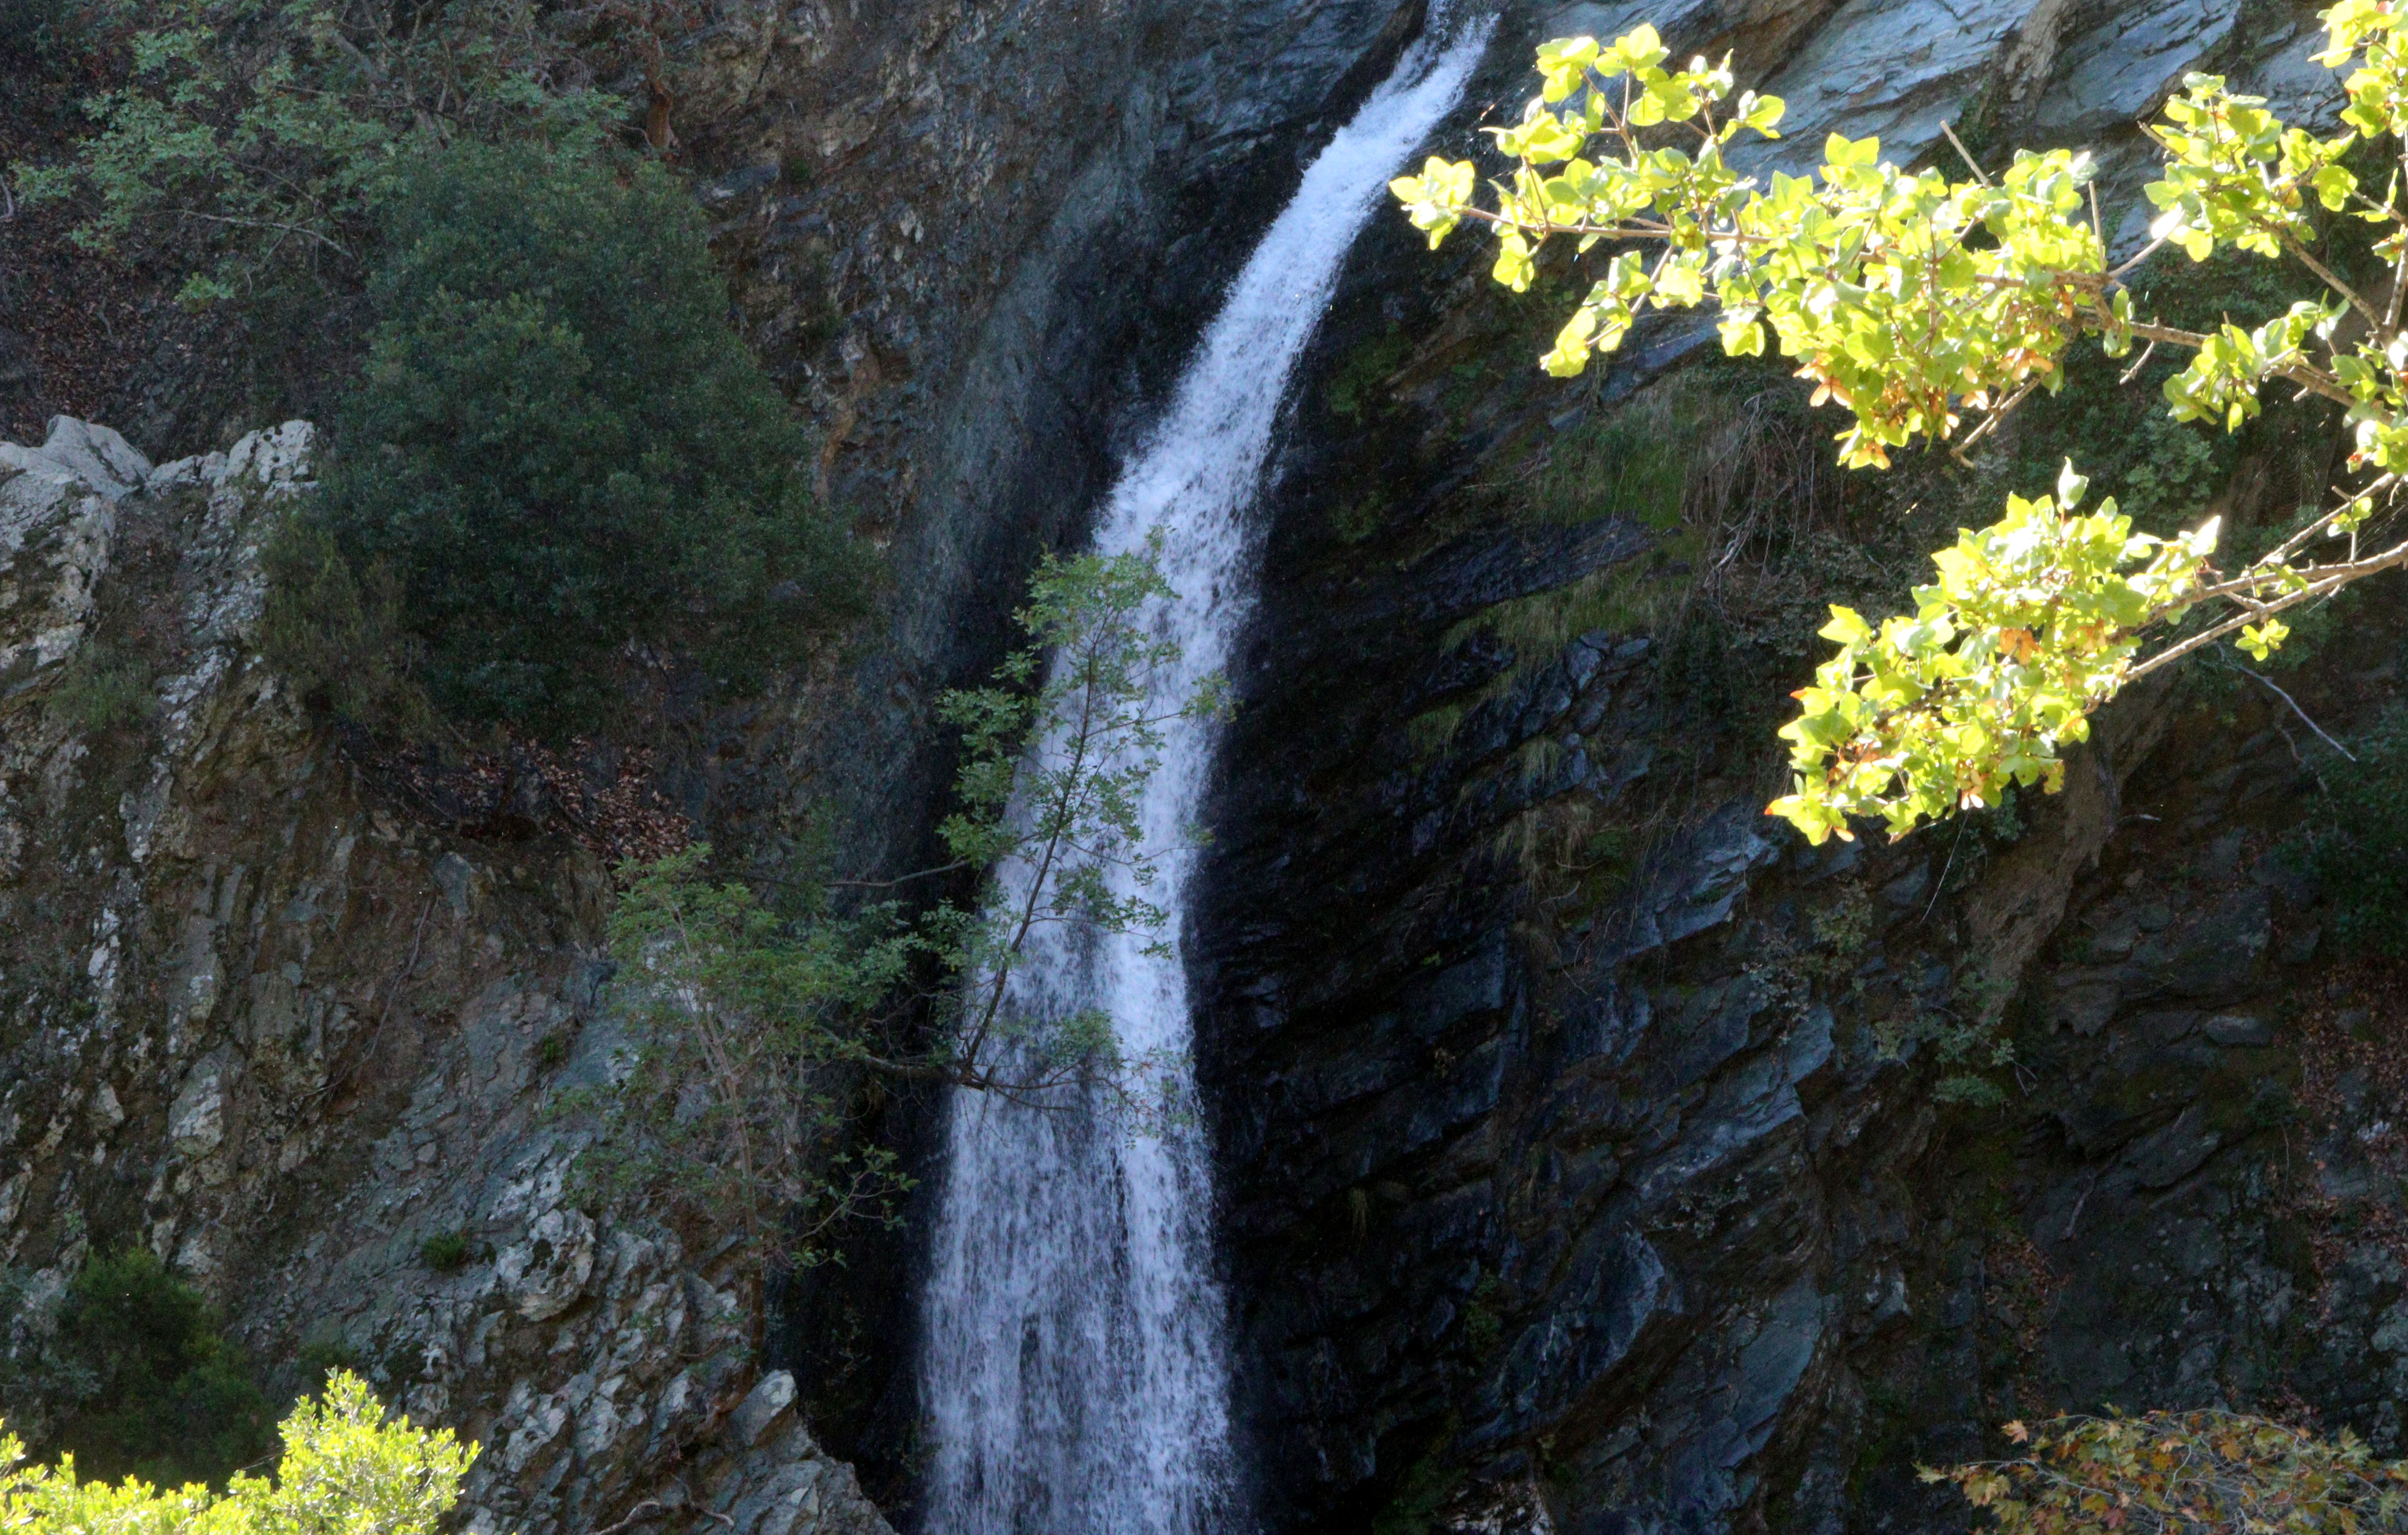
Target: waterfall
(1074, 1372)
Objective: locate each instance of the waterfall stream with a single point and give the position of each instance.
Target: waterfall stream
(1074, 1373)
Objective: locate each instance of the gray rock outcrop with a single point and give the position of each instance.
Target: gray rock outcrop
(285, 1037)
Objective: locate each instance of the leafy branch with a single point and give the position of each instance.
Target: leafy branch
(755, 1030)
(272, 129)
(1916, 302)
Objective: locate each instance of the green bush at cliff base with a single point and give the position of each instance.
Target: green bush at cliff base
(348, 1469)
(561, 458)
(157, 1391)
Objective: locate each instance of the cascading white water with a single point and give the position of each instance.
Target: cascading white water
(1074, 1375)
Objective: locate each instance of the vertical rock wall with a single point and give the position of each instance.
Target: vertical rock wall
(257, 1020)
(1622, 1225)
(1559, 1210)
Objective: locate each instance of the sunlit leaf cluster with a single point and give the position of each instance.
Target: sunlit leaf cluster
(2183, 1473)
(2031, 623)
(349, 1468)
(1920, 303)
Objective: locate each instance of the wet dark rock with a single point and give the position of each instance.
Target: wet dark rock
(2217, 952)
(2175, 1152)
(1630, 1215)
(1692, 885)
(1481, 570)
(2240, 1030)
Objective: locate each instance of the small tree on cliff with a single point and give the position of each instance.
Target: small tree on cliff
(1915, 302)
(756, 1029)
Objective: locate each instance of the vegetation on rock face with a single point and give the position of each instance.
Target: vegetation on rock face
(347, 1466)
(729, 1104)
(752, 1026)
(133, 1376)
(560, 470)
(103, 689)
(336, 635)
(2183, 1473)
(256, 141)
(1912, 299)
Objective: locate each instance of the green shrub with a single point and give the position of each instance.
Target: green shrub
(336, 635)
(249, 144)
(28, 26)
(563, 454)
(321, 1360)
(101, 689)
(346, 1469)
(162, 1395)
(2358, 846)
(445, 1252)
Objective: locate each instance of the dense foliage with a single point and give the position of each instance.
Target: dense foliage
(348, 1469)
(168, 1398)
(1911, 300)
(560, 468)
(729, 1104)
(254, 139)
(558, 449)
(2185, 1473)
(130, 1371)
(752, 1025)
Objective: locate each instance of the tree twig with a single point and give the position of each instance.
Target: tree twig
(2332, 280)
(2301, 712)
(1971, 164)
(2332, 579)
(1990, 423)
(2134, 371)
(878, 884)
(649, 1506)
(304, 233)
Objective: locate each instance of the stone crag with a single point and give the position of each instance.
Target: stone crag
(1581, 1168)
(1582, 1162)
(258, 1020)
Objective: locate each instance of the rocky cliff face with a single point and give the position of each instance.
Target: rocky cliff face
(1584, 1167)
(260, 1020)
(1581, 1169)
(286, 1022)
